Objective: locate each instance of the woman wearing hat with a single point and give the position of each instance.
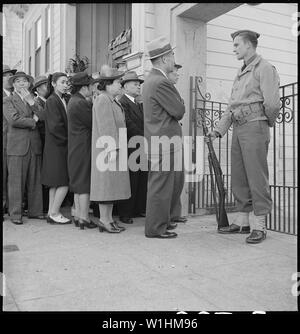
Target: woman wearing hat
(110, 185)
(55, 167)
(79, 146)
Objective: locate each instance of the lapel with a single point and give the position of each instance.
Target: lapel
(250, 66)
(41, 102)
(18, 103)
(62, 108)
(134, 107)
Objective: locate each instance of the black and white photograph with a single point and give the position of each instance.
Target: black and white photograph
(150, 159)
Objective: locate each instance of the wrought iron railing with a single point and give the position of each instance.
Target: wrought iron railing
(283, 157)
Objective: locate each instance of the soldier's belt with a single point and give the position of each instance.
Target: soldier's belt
(246, 113)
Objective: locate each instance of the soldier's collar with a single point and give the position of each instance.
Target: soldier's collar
(252, 63)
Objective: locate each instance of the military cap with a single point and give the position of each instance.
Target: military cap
(252, 34)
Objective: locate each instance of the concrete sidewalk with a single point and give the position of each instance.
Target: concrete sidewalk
(60, 268)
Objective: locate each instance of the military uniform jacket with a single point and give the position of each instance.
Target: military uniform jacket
(257, 82)
(22, 132)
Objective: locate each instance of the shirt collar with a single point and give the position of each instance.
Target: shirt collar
(158, 69)
(130, 98)
(8, 92)
(42, 98)
(249, 61)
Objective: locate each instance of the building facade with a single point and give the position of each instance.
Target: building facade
(54, 33)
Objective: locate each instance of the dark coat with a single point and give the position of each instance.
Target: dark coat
(41, 122)
(79, 143)
(163, 108)
(22, 132)
(134, 117)
(55, 157)
(4, 125)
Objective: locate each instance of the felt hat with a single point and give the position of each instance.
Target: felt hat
(18, 75)
(81, 79)
(109, 73)
(130, 76)
(39, 80)
(6, 69)
(158, 47)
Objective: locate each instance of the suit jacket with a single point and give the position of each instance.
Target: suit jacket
(22, 132)
(5, 125)
(163, 108)
(134, 117)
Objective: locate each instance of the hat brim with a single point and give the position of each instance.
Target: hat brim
(39, 83)
(160, 54)
(10, 71)
(14, 77)
(114, 77)
(123, 82)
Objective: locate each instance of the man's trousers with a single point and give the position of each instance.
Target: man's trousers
(249, 167)
(24, 172)
(164, 191)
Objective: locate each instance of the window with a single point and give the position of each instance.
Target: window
(38, 44)
(47, 46)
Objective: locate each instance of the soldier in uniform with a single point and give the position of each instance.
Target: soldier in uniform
(253, 108)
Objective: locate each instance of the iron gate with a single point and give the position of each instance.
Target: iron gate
(282, 157)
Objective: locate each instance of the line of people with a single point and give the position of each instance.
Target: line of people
(50, 129)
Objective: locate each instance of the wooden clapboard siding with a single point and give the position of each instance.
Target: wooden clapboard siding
(97, 25)
(276, 43)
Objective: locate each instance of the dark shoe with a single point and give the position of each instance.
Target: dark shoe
(89, 224)
(179, 220)
(126, 220)
(142, 214)
(81, 224)
(75, 221)
(48, 219)
(256, 237)
(37, 217)
(233, 228)
(166, 235)
(171, 226)
(17, 221)
(110, 229)
(117, 226)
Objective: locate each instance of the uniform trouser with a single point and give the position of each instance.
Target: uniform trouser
(24, 171)
(249, 167)
(136, 204)
(4, 180)
(163, 196)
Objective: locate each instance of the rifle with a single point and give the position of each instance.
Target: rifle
(214, 165)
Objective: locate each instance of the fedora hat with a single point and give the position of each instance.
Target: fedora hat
(109, 73)
(19, 75)
(158, 47)
(130, 76)
(81, 79)
(6, 69)
(41, 79)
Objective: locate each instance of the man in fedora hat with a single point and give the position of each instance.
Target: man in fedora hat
(23, 149)
(136, 204)
(7, 91)
(40, 89)
(253, 108)
(163, 109)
